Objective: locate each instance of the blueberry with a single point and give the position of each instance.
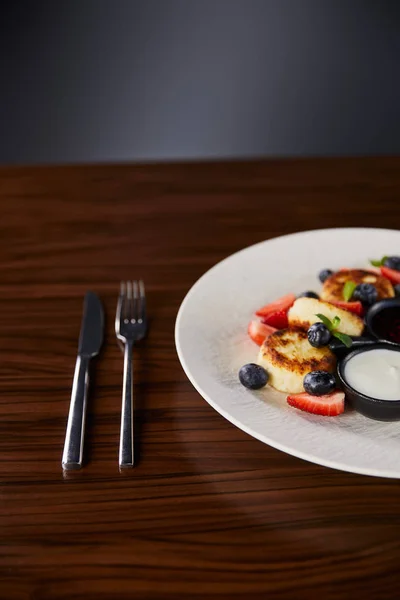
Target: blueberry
(253, 376)
(366, 293)
(319, 383)
(397, 289)
(393, 262)
(319, 335)
(308, 294)
(323, 275)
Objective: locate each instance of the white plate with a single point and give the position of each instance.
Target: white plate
(212, 345)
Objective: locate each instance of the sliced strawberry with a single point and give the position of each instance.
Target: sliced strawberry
(391, 274)
(283, 303)
(278, 319)
(259, 331)
(353, 307)
(329, 405)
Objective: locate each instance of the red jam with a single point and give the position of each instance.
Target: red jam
(386, 324)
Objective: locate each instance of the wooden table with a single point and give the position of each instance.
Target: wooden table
(208, 512)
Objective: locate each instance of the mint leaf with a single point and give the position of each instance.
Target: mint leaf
(378, 263)
(332, 325)
(327, 322)
(348, 290)
(345, 339)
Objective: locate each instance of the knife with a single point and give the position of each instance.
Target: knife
(90, 341)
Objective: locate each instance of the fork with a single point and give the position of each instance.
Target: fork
(130, 327)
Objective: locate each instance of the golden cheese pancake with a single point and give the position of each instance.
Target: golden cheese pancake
(332, 289)
(288, 356)
(304, 313)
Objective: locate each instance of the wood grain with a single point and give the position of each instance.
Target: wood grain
(209, 512)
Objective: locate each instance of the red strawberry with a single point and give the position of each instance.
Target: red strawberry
(277, 319)
(353, 307)
(391, 274)
(329, 405)
(283, 303)
(259, 331)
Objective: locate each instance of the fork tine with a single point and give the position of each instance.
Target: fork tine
(135, 301)
(142, 294)
(129, 302)
(119, 305)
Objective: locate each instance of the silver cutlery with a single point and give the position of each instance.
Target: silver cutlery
(130, 327)
(90, 341)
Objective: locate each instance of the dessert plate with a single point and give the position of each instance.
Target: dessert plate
(212, 344)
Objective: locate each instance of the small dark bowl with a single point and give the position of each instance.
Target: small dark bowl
(375, 318)
(375, 332)
(374, 408)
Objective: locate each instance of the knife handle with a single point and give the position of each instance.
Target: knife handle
(73, 447)
(126, 457)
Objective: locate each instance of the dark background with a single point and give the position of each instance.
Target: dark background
(97, 80)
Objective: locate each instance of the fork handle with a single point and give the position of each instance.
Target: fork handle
(126, 437)
(73, 447)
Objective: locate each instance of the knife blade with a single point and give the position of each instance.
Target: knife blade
(91, 336)
(90, 342)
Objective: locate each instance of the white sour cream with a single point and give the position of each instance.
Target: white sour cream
(375, 373)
